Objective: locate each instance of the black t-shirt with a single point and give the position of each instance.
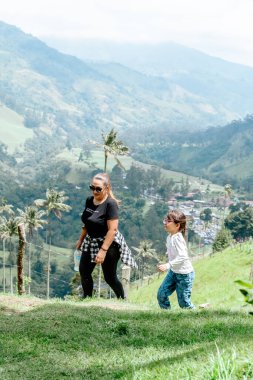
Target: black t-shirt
(95, 217)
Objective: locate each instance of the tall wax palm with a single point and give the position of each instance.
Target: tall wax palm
(144, 251)
(5, 209)
(8, 229)
(32, 219)
(20, 258)
(113, 146)
(53, 205)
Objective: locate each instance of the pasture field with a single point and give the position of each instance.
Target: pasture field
(12, 130)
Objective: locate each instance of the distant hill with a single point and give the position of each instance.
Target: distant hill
(225, 86)
(223, 155)
(65, 97)
(163, 106)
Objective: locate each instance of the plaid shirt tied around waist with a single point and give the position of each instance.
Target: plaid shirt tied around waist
(93, 245)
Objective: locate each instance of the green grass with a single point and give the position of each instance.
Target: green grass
(72, 340)
(214, 281)
(110, 339)
(12, 130)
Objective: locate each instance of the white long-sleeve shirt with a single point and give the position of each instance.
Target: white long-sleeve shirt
(177, 251)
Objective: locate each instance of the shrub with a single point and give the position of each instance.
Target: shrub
(247, 293)
(222, 240)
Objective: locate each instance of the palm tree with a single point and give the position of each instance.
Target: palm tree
(7, 209)
(8, 229)
(20, 258)
(113, 146)
(32, 219)
(53, 204)
(144, 251)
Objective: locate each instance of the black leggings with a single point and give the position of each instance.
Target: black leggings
(109, 268)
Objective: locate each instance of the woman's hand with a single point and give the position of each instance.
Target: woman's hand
(81, 238)
(100, 257)
(163, 267)
(79, 244)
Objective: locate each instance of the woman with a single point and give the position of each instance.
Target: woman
(100, 240)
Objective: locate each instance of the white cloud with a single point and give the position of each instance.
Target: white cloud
(221, 27)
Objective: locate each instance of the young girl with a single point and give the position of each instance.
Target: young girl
(181, 274)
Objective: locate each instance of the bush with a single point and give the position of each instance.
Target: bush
(222, 240)
(247, 293)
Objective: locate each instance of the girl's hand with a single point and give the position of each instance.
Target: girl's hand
(100, 258)
(162, 267)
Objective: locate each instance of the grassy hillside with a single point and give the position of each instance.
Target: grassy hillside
(97, 157)
(106, 339)
(70, 340)
(214, 282)
(12, 130)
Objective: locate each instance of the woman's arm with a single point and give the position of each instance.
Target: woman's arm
(109, 237)
(81, 238)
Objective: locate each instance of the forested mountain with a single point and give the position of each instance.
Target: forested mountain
(224, 85)
(161, 111)
(62, 96)
(223, 155)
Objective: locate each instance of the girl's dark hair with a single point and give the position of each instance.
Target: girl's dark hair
(106, 180)
(178, 216)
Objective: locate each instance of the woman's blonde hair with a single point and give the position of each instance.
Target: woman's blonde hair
(178, 216)
(106, 180)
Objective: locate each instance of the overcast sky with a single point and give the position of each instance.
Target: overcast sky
(223, 28)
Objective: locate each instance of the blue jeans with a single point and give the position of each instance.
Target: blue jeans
(182, 284)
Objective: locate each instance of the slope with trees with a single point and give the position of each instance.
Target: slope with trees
(223, 154)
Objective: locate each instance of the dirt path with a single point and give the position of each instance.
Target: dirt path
(20, 304)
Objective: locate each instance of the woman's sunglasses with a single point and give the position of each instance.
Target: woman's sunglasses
(96, 188)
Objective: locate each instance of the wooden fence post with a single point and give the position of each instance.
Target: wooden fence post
(4, 267)
(48, 270)
(126, 271)
(251, 273)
